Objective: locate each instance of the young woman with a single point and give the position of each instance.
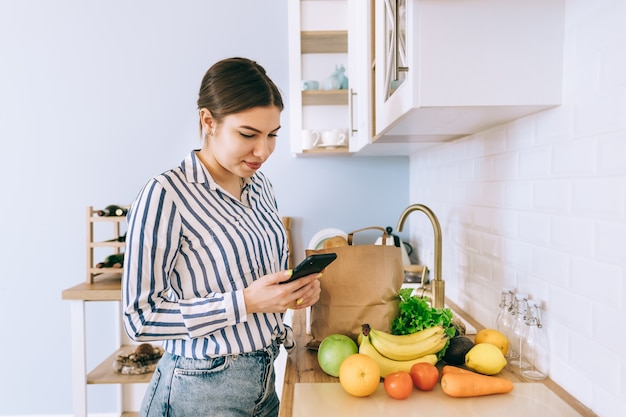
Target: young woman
(205, 253)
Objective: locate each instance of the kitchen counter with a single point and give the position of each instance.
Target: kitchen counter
(302, 369)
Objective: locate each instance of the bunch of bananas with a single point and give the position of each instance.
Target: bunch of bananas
(395, 353)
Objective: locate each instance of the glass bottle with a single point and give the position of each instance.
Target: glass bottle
(535, 348)
(519, 326)
(504, 320)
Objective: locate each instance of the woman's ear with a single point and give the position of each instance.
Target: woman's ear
(207, 123)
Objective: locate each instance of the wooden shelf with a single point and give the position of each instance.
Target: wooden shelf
(106, 287)
(338, 151)
(130, 414)
(108, 219)
(104, 373)
(99, 271)
(325, 97)
(324, 42)
(107, 244)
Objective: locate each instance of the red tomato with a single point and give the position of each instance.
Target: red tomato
(398, 385)
(424, 375)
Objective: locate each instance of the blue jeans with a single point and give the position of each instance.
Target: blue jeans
(226, 386)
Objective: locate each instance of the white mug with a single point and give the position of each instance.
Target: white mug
(310, 138)
(346, 136)
(310, 85)
(334, 137)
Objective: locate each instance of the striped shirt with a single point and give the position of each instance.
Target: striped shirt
(191, 249)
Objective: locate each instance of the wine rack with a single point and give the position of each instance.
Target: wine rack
(112, 228)
(103, 285)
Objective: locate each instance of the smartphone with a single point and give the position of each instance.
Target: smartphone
(311, 265)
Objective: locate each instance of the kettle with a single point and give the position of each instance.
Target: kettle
(394, 240)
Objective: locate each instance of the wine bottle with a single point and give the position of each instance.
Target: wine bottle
(112, 261)
(111, 211)
(121, 238)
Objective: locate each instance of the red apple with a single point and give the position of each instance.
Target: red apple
(333, 350)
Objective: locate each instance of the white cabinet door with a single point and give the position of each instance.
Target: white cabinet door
(360, 57)
(463, 66)
(396, 68)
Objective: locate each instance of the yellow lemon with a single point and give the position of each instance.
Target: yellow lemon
(485, 358)
(494, 337)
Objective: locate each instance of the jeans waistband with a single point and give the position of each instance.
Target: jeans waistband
(271, 350)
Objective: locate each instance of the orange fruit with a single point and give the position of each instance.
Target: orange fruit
(359, 375)
(493, 337)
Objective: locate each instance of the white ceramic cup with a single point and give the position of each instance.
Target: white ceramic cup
(345, 135)
(310, 138)
(334, 137)
(310, 85)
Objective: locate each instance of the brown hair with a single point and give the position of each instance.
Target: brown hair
(236, 84)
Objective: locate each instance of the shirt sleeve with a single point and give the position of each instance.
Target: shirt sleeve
(151, 308)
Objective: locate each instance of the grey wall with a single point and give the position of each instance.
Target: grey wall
(97, 96)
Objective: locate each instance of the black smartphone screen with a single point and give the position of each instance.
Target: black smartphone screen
(311, 265)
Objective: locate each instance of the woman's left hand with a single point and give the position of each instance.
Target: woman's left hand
(267, 295)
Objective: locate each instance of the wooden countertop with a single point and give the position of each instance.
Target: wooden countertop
(302, 366)
(105, 287)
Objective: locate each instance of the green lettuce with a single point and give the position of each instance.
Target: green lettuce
(416, 314)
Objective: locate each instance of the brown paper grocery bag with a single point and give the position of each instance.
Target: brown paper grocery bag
(360, 286)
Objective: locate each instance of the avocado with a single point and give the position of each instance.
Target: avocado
(457, 349)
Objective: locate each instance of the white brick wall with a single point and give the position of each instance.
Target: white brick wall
(539, 205)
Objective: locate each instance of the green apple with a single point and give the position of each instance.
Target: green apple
(333, 350)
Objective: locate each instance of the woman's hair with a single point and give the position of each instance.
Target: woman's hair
(236, 84)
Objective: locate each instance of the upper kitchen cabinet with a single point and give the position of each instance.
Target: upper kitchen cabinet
(328, 37)
(450, 68)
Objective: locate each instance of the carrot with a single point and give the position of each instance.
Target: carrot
(450, 369)
(466, 385)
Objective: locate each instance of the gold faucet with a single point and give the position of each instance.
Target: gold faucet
(438, 284)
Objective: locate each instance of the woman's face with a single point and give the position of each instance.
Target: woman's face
(243, 141)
